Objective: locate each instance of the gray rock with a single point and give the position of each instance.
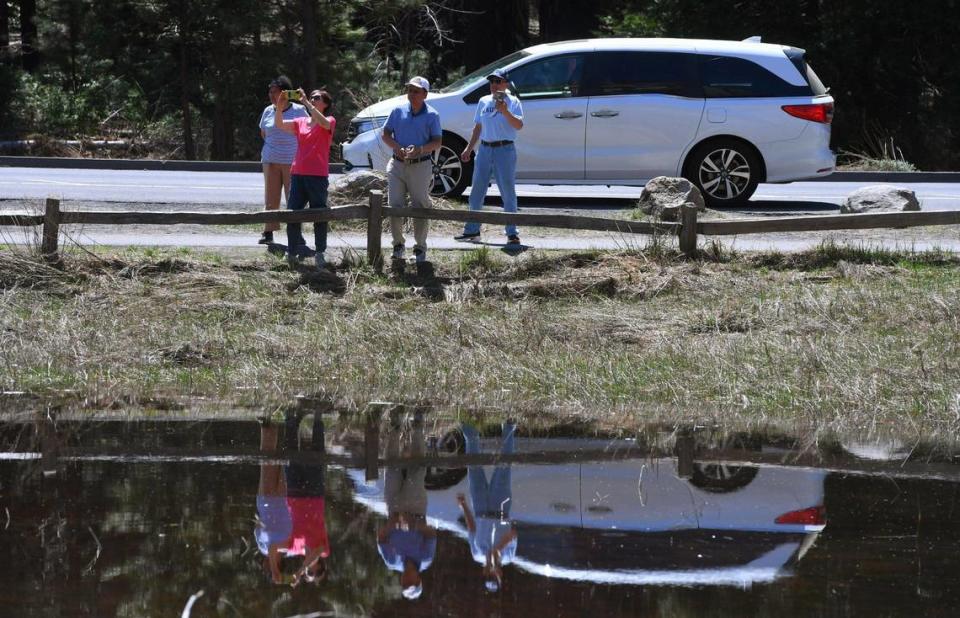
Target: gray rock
(356, 185)
(663, 196)
(880, 198)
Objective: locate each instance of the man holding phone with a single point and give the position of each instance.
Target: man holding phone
(413, 132)
(498, 118)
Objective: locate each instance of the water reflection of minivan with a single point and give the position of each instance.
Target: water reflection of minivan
(725, 114)
(637, 521)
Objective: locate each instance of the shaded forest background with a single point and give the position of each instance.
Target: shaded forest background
(187, 79)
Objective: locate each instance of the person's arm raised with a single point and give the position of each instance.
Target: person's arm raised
(278, 120)
(315, 116)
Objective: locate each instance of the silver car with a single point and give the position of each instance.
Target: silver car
(725, 114)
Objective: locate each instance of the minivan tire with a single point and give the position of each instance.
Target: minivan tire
(451, 176)
(727, 171)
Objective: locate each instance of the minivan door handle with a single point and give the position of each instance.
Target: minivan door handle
(604, 113)
(566, 115)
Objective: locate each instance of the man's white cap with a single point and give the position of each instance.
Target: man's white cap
(419, 82)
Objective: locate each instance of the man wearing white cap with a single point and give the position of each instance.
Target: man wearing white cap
(413, 132)
(498, 117)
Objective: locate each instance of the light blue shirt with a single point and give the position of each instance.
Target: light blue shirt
(493, 125)
(278, 145)
(411, 129)
(487, 535)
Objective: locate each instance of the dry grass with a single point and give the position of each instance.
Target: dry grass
(843, 339)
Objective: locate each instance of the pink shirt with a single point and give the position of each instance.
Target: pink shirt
(309, 526)
(313, 148)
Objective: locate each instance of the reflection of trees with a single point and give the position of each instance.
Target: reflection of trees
(167, 531)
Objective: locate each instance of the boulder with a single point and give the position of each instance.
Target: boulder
(880, 198)
(663, 196)
(356, 185)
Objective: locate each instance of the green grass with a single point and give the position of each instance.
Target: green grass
(839, 336)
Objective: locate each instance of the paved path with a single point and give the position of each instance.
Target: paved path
(890, 239)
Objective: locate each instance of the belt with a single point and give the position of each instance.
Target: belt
(503, 142)
(421, 159)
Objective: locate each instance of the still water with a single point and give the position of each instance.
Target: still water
(323, 517)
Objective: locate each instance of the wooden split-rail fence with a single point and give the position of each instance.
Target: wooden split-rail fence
(688, 229)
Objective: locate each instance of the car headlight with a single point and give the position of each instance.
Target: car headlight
(362, 125)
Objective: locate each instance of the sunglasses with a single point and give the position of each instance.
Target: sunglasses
(316, 98)
(497, 80)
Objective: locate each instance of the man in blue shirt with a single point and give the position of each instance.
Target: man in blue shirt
(492, 535)
(407, 544)
(413, 132)
(498, 118)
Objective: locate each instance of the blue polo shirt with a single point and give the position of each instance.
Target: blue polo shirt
(411, 129)
(407, 545)
(493, 125)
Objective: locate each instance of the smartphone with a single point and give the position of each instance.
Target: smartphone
(293, 95)
(499, 96)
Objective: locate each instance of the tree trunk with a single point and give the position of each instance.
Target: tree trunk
(567, 19)
(4, 31)
(28, 35)
(308, 16)
(509, 20)
(183, 19)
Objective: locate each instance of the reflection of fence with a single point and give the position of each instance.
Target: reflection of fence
(687, 230)
(52, 452)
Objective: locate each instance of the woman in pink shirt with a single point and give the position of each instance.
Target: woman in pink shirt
(311, 167)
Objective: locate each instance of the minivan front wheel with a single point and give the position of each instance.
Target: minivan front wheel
(450, 174)
(726, 172)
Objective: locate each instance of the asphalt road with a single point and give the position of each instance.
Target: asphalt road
(95, 189)
(245, 190)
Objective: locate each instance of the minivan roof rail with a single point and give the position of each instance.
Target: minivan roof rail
(753, 39)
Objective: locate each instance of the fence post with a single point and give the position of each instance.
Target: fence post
(374, 228)
(688, 229)
(51, 230)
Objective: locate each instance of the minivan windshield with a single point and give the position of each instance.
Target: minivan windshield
(485, 70)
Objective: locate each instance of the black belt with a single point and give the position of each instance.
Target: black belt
(503, 142)
(425, 158)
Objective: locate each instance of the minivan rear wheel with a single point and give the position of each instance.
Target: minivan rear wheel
(727, 172)
(450, 174)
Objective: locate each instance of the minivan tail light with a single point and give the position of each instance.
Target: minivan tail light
(815, 112)
(813, 516)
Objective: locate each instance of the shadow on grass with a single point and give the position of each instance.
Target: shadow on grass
(423, 278)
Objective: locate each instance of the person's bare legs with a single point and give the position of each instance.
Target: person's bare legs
(272, 482)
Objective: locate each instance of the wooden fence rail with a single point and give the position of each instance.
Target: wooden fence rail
(688, 229)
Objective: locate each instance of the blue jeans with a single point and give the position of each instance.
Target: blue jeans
(501, 162)
(493, 498)
(303, 190)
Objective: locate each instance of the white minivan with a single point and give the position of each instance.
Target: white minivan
(725, 114)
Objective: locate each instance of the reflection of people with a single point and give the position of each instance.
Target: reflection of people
(306, 501)
(276, 156)
(273, 517)
(496, 121)
(493, 538)
(413, 132)
(290, 508)
(311, 168)
(405, 542)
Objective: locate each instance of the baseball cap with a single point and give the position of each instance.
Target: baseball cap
(419, 82)
(499, 74)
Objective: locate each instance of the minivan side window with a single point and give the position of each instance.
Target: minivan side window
(619, 73)
(554, 77)
(724, 76)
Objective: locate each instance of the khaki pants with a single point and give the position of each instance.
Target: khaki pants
(404, 488)
(276, 176)
(414, 179)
